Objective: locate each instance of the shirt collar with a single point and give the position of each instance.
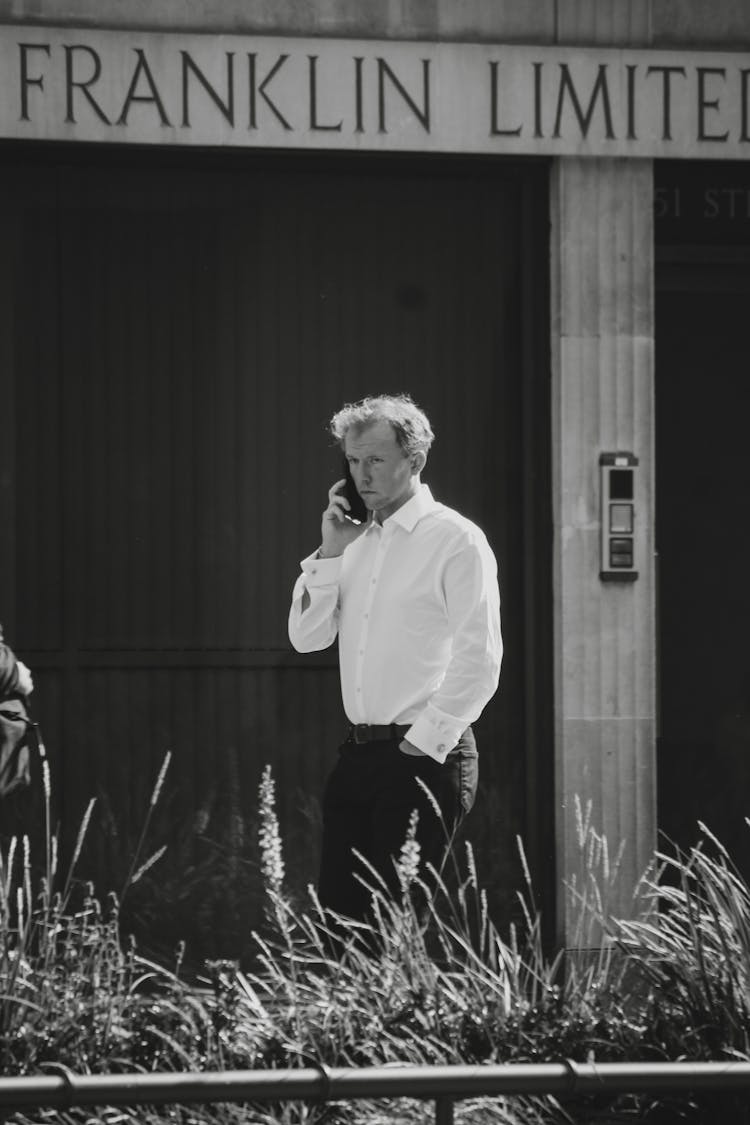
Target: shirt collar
(410, 513)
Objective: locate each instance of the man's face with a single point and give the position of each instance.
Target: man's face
(382, 473)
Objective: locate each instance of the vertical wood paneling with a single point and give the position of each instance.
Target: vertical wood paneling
(702, 388)
(34, 338)
(9, 236)
(212, 316)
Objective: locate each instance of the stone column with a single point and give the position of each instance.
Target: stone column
(602, 400)
(605, 660)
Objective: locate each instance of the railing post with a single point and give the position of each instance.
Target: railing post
(444, 1111)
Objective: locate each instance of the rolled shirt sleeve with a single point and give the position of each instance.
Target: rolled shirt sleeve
(314, 626)
(472, 602)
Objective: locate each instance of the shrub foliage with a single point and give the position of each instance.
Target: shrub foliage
(428, 979)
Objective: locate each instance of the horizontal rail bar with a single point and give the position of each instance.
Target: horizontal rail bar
(340, 1084)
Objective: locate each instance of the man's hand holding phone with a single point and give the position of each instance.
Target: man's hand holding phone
(337, 530)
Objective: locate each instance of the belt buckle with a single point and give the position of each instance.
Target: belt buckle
(361, 733)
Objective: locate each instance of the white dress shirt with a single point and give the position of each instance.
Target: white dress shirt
(416, 607)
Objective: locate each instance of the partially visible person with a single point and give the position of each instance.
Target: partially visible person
(15, 677)
(411, 593)
(16, 728)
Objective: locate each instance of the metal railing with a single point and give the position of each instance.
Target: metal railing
(444, 1084)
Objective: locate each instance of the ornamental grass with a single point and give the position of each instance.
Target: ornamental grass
(428, 979)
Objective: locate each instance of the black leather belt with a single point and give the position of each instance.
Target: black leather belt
(365, 732)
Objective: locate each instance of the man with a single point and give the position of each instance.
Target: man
(412, 595)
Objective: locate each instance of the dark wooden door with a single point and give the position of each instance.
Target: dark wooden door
(182, 328)
(703, 483)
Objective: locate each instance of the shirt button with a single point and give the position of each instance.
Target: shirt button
(441, 747)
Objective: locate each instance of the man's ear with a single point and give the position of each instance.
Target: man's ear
(418, 462)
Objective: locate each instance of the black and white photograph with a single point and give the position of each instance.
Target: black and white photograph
(374, 611)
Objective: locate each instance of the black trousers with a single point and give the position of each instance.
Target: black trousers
(368, 801)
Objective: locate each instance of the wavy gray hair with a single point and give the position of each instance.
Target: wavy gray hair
(410, 423)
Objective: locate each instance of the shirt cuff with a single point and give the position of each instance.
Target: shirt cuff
(435, 734)
(321, 572)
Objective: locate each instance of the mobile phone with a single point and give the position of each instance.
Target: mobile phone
(357, 507)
